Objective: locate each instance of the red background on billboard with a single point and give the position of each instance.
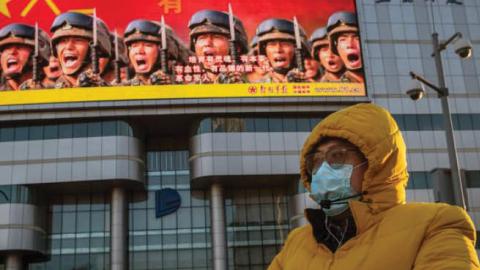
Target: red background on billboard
(117, 14)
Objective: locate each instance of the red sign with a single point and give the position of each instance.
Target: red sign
(118, 13)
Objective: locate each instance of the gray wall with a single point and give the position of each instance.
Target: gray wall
(72, 160)
(22, 228)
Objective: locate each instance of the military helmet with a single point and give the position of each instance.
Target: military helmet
(340, 22)
(279, 29)
(212, 21)
(24, 34)
(318, 39)
(142, 30)
(74, 24)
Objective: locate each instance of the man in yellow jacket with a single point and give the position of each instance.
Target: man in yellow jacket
(354, 165)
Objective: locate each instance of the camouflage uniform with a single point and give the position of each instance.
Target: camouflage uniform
(73, 24)
(23, 34)
(338, 23)
(281, 29)
(217, 22)
(349, 76)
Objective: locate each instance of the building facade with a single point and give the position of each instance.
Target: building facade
(78, 181)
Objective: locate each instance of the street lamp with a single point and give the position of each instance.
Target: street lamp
(463, 49)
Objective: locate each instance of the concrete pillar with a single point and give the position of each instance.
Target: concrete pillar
(14, 262)
(219, 242)
(119, 229)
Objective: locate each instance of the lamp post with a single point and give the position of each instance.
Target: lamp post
(464, 49)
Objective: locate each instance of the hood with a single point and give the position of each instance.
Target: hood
(374, 131)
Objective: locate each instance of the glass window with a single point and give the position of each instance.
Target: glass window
(98, 221)
(303, 124)
(83, 224)
(425, 122)
(21, 133)
(109, 128)
(184, 218)
(275, 124)
(6, 134)
(68, 222)
(5, 194)
(50, 132)
(65, 131)
(94, 129)
(80, 130)
(35, 133)
(289, 124)
(261, 125)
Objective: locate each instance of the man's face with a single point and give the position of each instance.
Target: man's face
(311, 68)
(353, 157)
(280, 53)
(211, 45)
(330, 61)
(72, 52)
(53, 70)
(14, 57)
(348, 47)
(143, 56)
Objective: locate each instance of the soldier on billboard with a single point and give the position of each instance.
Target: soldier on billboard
(331, 63)
(77, 44)
(52, 72)
(344, 39)
(145, 47)
(261, 66)
(277, 40)
(312, 69)
(24, 51)
(211, 36)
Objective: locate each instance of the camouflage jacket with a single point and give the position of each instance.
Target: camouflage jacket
(349, 76)
(30, 85)
(85, 79)
(156, 78)
(329, 77)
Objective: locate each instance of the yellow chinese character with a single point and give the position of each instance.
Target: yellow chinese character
(168, 5)
(32, 3)
(4, 9)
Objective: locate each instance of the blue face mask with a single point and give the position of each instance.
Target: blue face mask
(332, 184)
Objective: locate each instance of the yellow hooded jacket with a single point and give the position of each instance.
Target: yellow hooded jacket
(391, 234)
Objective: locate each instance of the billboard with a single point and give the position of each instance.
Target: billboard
(87, 50)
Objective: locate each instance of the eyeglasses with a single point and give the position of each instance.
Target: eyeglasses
(335, 157)
(74, 19)
(20, 30)
(142, 26)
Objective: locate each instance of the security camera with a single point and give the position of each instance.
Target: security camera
(463, 48)
(416, 91)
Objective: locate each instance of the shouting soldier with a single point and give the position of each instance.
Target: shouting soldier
(276, 40)
(72, 36)
(52, 72)
(331, 63)
(17, 48)
(210, 37)
(145, 47)
(342, 30)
